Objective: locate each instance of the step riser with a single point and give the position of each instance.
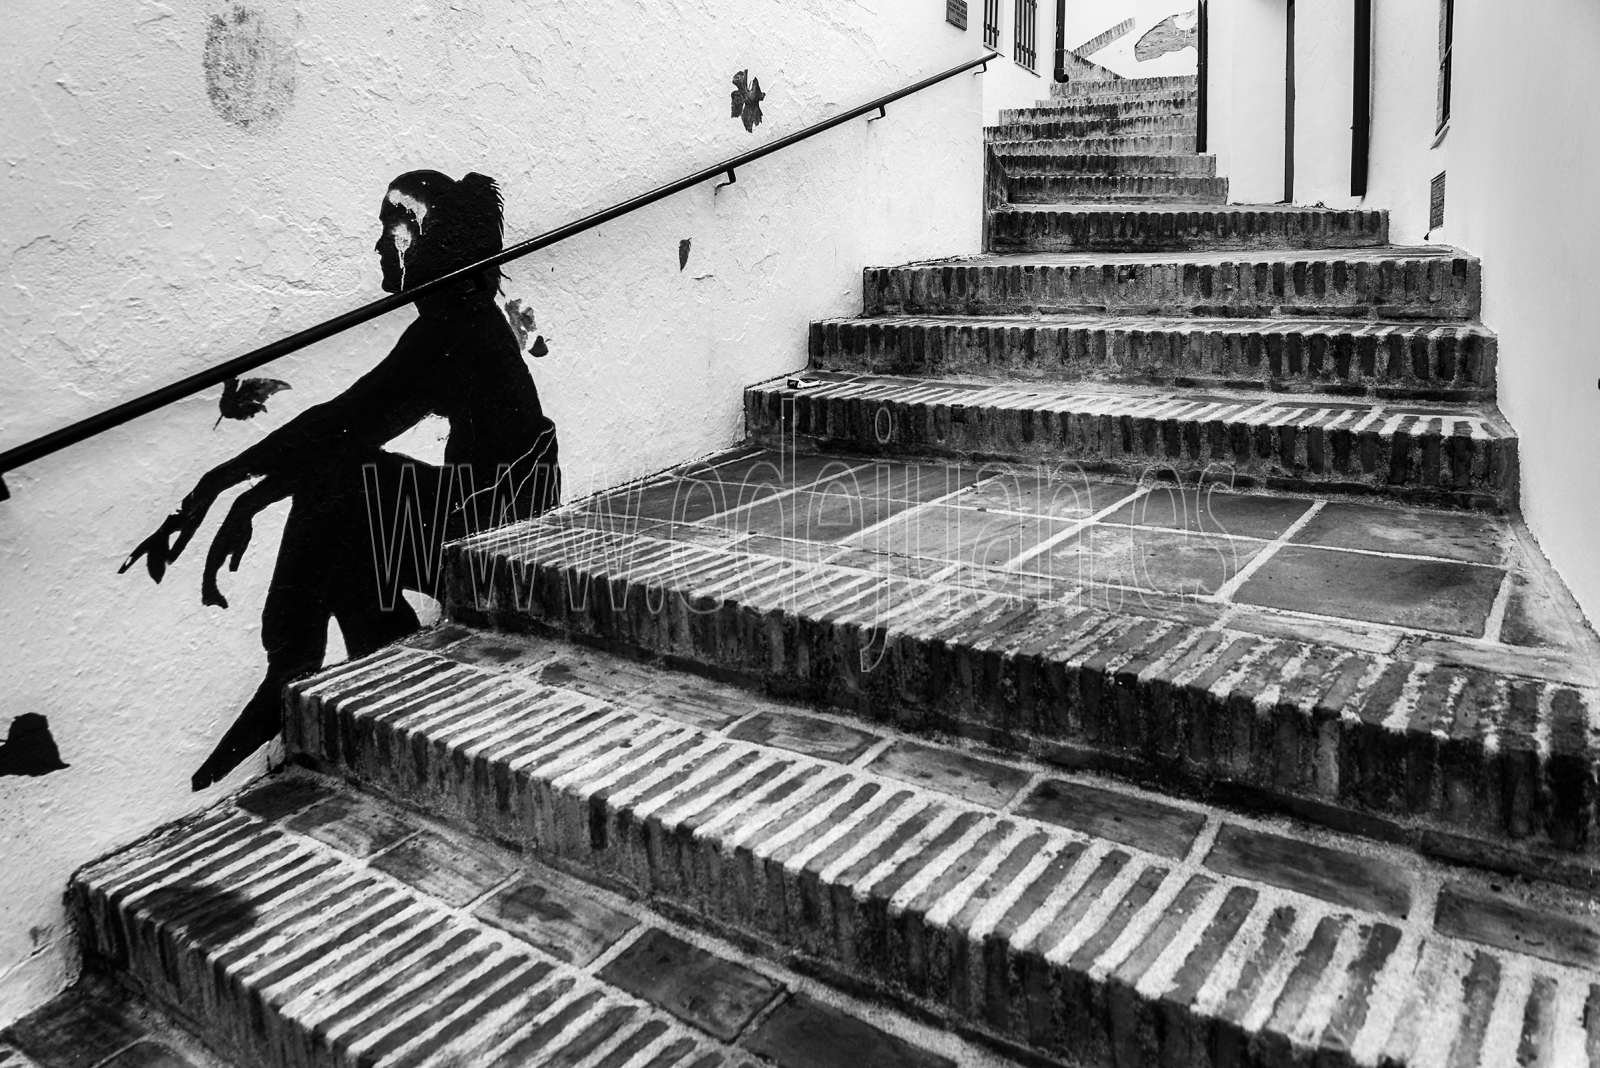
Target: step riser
(1183, 144)
(1429, 464)
(1325, 744)
(1432, 288)
(1059, 188)
(1089, 111)
(1189, 98)
(1018, 164)
(1124, 85)
(1446, 366)
(1059, 130)
(1127, 229)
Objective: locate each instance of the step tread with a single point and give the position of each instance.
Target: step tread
(440, 948)
(962, 850)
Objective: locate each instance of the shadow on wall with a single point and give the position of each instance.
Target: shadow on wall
(29, 749)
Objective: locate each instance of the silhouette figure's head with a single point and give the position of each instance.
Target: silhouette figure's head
(433, 224)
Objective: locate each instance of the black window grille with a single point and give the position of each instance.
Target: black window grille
(1447, 33)
(1027, 33)
(991, 23)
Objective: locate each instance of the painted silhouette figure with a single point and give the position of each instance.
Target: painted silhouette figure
(366, 523)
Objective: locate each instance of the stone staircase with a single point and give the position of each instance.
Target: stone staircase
(1119, 648)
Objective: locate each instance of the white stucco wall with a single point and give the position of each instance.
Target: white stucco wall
(144, 236)
(1520, 153)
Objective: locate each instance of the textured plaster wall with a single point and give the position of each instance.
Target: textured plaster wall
(170, 200)
(1520, 153)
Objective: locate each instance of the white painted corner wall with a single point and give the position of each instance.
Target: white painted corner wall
(1520, 154)
(146, 235)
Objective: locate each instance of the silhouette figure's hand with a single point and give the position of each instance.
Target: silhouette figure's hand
(172, 537)
(232, 539)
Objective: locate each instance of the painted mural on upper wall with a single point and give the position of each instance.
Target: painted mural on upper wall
(366, 524)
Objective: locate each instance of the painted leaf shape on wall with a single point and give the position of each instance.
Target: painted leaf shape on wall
(747, 97)
(246, 399)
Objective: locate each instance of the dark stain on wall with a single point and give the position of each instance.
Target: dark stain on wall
(29, 749)
(249, 68)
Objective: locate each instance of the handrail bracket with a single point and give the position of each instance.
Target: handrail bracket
(720, 186)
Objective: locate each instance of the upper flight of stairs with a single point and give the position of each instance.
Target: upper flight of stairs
(1118, 648)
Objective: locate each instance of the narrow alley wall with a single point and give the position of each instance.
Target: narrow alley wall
(184, 183)
(1518, 156)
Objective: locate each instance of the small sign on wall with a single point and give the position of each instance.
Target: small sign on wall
(1436, 203)
(955, 13)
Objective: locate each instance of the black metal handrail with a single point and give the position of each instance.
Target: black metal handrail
(57, 440)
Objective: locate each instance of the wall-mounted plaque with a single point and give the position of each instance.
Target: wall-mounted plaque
(1436, 203)
(955, 13)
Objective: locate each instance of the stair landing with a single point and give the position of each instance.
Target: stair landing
(1362, 658)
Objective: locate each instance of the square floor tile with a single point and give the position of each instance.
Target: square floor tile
(556, 915)
(1039, 494)
(805, 734)
(1182, 563)
(696, 986)
(815, 516)
(1439, 595)
(964, 535)
(986, 782)
(1414, 531)
(1208, 510)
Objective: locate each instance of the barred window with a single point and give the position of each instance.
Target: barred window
(1447, 33)
(991, 23)
(1027, 31)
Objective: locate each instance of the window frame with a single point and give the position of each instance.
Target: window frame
(1025, 35)
(1447, 33)
(991, 24)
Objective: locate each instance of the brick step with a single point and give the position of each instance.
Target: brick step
(1068, 161)
(1123, 85)
(1457, 455)
(1097, 925)
(1136, 144)
(1081, 110)
(1368, 663)
(1429, 282)
(1082, 129)
(1097, 188)
(99, 1022)
(304, 924)
(1124, 227)
(1110, 95)
(1389, 360)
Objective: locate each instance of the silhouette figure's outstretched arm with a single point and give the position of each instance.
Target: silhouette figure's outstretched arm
(380, 405)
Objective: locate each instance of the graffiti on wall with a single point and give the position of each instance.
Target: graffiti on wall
(366, 524)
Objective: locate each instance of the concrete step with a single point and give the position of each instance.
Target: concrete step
(1386, 360)
(1396, 670)
(1100, 189)
(1456, 455)
(306, 925)
(1057, 129)
(1121, 227)
(1069, 161)
(1428, 282)
(1084, 109)
(1091, 924)
(1136, 144)
(1123, 85)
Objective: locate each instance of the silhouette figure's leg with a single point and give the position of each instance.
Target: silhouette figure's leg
(324, 541)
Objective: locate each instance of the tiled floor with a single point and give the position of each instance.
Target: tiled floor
(1363, 573)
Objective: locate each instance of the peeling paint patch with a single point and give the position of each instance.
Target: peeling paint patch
(249, 68)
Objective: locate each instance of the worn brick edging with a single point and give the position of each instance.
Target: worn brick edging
(1392, 287)
(1466, 751)
(1455, 457)
(1444, 361)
